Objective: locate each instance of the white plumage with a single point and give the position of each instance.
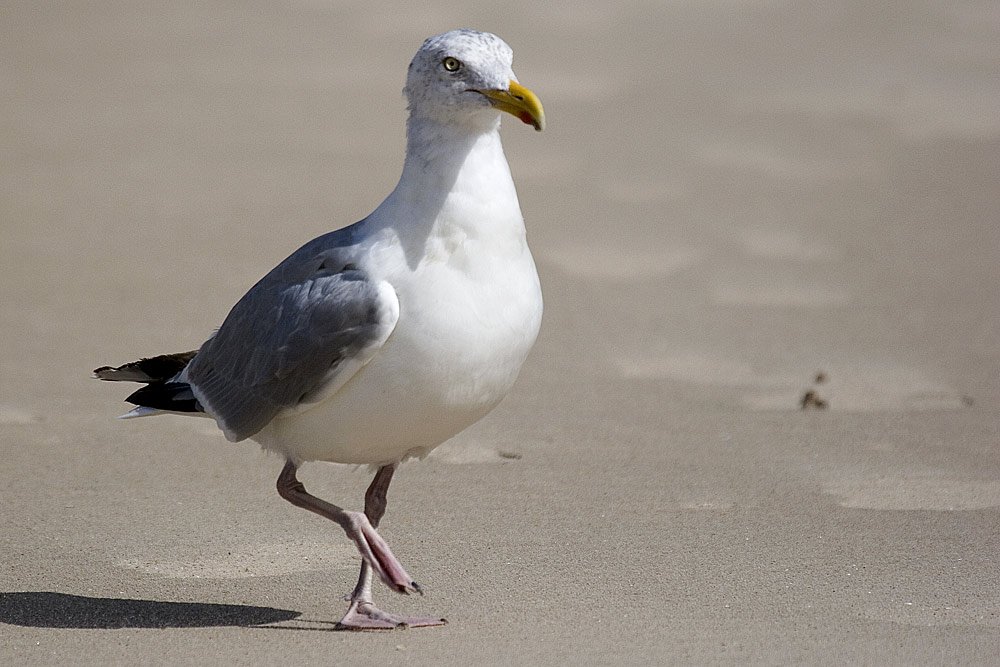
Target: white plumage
(381, 340)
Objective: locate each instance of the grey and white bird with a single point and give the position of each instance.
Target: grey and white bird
(377, 342)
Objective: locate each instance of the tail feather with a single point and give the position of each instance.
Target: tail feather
(152, 369)
(171, 396)
(140, 411)
(163, 392)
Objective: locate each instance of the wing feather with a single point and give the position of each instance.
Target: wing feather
(298, 334)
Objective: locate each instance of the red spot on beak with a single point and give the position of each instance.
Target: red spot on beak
(526, 118)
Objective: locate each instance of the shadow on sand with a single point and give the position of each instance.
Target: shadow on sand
(59, 610)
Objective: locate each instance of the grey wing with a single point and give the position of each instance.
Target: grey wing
(288, 342)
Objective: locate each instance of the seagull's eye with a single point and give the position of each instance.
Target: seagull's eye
(451, 64)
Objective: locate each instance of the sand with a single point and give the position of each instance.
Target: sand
(731, 198)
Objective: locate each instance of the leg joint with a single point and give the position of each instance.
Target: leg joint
(289, 487)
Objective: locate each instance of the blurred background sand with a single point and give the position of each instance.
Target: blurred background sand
(731, 198)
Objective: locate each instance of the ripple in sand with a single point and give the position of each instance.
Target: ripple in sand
(781, 296)
(782, 244)
(638, 191)
(707, 505)
(919, 110)
(265, 560)
(601, 263)
(777, 163)
(916, 493)
(886, 386)
(700, 369)
(923, 615)
(461, 453)
(12, 416)
(855, 386)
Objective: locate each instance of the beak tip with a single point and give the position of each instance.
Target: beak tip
(521, 102)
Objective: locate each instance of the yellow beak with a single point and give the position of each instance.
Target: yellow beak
(519, 101)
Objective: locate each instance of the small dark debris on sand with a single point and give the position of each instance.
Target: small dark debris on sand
(811, 400)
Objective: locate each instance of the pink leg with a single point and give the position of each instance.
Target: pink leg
(363, 614)
(375, 553)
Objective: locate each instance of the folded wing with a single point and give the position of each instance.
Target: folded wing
(290, 343)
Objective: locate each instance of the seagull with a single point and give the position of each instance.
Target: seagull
(376, 342)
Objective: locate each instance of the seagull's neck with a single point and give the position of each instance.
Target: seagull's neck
(454, 176)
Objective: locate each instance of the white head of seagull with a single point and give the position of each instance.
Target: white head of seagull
(460, 77)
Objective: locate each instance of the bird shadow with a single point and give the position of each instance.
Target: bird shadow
(45, 609)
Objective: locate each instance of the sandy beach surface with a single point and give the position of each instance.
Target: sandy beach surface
(735, 203)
